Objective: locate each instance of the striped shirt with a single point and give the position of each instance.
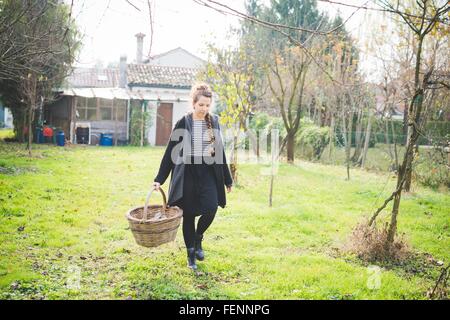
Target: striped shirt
(200, 140)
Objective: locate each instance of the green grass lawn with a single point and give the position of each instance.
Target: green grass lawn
(64, 234)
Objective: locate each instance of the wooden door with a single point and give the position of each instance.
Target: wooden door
(163, 123)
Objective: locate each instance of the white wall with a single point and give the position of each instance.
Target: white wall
(8, 119)
(180, 98)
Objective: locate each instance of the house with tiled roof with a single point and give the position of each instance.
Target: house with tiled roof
(99, 100)
(168, 89)
(91, 103)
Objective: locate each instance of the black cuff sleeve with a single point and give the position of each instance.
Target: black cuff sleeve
(167, 164)
(226, 172)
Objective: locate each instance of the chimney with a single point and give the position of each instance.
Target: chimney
(123, 71)
(140, 45)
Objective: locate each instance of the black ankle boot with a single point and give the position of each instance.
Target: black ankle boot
(191, 258)
(199, 254)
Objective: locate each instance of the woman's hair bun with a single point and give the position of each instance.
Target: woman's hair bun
(200, 89)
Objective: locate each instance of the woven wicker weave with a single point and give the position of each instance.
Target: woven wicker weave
(154, 225)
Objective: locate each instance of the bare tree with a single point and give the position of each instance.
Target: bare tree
(38, 47)
(429, 16)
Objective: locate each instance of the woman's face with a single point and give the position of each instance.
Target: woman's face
(201, 107)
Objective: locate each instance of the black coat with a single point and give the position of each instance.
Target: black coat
(178, 142)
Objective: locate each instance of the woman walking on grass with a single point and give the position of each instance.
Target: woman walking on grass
(195, 156)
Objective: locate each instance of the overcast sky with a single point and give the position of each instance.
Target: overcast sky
(109, 26)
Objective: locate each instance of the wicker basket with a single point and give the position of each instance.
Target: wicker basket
(154, 225)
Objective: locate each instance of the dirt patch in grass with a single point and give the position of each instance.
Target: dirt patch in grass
(370, 244)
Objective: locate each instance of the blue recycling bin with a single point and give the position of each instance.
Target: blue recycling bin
(106, 139)
(60, 139)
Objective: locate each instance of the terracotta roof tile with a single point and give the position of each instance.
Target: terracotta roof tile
(137, 75)
(94, 78)
(160, 76)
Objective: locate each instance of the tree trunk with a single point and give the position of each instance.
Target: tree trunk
(414, 115)
(393, 225)
(358, 139)
(386, 137)
(31, 95)
(22, 129)
(418, 97)
(366, 142)
(309, 110)
(407, 186)
(30, 129)
(332, 136)
(401, 179)
(257, 146)
(290, 146)
(347, 143)
(314, 113)
(319, 115)
(405, 125)
(394, 140)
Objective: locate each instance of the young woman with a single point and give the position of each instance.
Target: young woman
(195, 156)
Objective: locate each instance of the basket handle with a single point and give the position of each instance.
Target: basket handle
(145, 215)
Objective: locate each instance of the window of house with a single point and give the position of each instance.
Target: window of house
(91, 109)
(81, 108)
(86, 108)
(121, 109)
(106, 108)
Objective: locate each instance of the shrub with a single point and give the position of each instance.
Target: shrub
(431, 170)
(313, 140)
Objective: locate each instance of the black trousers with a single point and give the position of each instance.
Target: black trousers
(199, 199)
(189, 230)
